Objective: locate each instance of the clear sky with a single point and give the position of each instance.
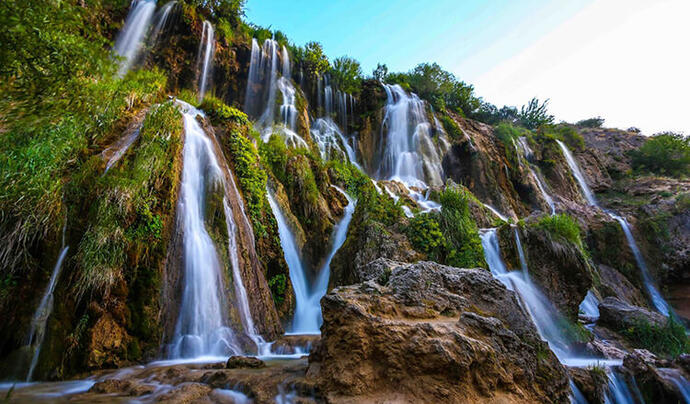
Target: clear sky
(626, 60)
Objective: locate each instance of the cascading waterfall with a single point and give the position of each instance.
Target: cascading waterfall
(263, 82)
(590, 306)
(202, 323)
(42, 313)
(681, 383)
(409, 154)
(161, 18)
(308, 318)
(130, 39)
(546, 317)
(657, 300)
(207, 49)
(529, 156)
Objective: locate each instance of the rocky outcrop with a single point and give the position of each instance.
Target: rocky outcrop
(367, 241)
(606, 154)
(619, 315)
(657, 380)
(559, 267)
(592, 382)
(432, 333)
(479, 162)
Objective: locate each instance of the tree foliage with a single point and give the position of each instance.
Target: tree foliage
(346, 74)
(380, 72)
(535, 114)
(665, 153)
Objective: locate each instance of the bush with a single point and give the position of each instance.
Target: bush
(562, 226)
(425, 234)
(535, 114)
(278, 286)
(460, 229)
(667, 340)
(665, 154)
(219, 112)
(591, 122)
(346, 74)
(451, 127)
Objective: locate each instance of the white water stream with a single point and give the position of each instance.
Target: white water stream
(131, 38)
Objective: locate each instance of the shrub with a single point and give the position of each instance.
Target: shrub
(666, 154)
(425, 234)
(562, 226)
(591, 122)
(535, 114)
(451, 127)
(274, 155)
(278, 286)
(219, 112)
(460, 230)
(668, 340)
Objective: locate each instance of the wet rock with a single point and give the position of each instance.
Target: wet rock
(291, 344)
(618, 315)
(187, 393)
(433, 333)
(592, 382)
(559, 267)
(122, 387)
(107, 343)
(244, 362)
(656, 379)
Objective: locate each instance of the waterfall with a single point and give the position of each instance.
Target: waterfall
(201, 326)
(590, 306)
(240, 290)
(307, 318)
(529, 155)
(657, 300)
(207, 48)
(681, 383)
(130, 39)
(42, 313)
(496, 212)
(617, 390)
(161, 18)
(575, 169)
(263, 82)
(409, 154)
(576, 396)
(331, 141)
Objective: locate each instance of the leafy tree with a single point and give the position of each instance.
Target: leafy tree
(666, 153)
(232, 10)
(380, 72)
(535, 114)
(314, 61)
(346, 74)
(591, 122)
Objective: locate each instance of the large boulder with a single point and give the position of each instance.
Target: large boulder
(432, 333)
(657, 380)
(618, 315)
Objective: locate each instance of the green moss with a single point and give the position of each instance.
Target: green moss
(127, 213)
(219, 112)
(274, 156)
(668, 340)
(563, 227)
(425, 234)
(278, 286)
(250, 176)
(451, 127)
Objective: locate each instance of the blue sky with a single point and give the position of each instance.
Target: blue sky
(614, 58)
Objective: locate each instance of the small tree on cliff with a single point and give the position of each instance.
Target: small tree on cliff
(535, 114)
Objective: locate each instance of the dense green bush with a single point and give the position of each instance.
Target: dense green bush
(346, 74)
(535, 114)
(450, 236)
(562, 226)
(668, 340)
(597, 122)
(451, 127)
(278, 286)
(665, 154)
(219, 112)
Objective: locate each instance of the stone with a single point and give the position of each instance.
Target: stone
(433, 333)
(618, 315)
(235, 362)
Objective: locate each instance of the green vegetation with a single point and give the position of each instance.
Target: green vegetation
(250, 176)
(450, 236)
(664, 154)
(441, 88)
(451, 127)
(535, 114)
(563, 227)
(131, 203)
(219, 112)
(668, 340)
(278, 286)
(311, 57)
(346, 74)
(597, 122)
(348, 175)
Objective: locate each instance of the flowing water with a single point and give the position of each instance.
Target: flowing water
(589, 307)
(207, 49)
(131, 38)
(409, 154)
(528, 154)
(117, 150)
(202, 323)
(162, 17)
(657, 300)
(307, 318)
(618, 390)
(42, 313)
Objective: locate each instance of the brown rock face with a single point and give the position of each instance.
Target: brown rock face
(591, 382)
(655, 378)
(106, 344)
(432, 334)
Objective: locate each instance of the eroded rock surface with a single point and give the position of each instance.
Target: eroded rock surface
(432, 333)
